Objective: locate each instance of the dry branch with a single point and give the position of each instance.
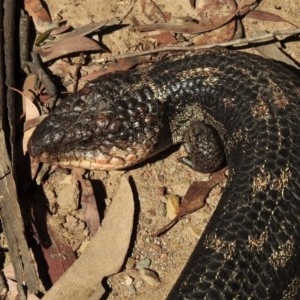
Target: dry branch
(12, 223)
(267, 37)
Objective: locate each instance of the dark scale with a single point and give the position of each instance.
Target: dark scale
(213, 101)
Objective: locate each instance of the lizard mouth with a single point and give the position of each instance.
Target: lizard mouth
(115, 159)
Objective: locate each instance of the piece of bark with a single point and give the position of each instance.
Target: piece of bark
(10, 214)
(8, 19)
(21, 257)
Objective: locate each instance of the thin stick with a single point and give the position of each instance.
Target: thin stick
(263, 38)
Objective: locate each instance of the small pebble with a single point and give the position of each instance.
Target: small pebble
(138, 283)
(173, 204)
(131, 289)
(173, 170)
(130, 263)
(180, 188)
(226, 172)
(196, 230)
(144, 263)
(71, 220)
(148, 221)
(150, 277)
(161, 191)
(82, 247)
(81, 226)
(128, 280)
(162, 210)
(156, 247)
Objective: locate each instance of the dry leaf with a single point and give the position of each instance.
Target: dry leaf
(266, 16)
(67, 71)
(103, 256)
(173, 204)
(59, 255)
(152, 11)
(212, 15)
(83, 30)
(67, 46)
(274, 51)
(213, 10)
(88, 201)
(194, 198)
(31, 110)
(193, 3)
(190, 27)
(122, 64)
(163, 37)
(41, 19)
(32, 117)
(217, 36)
(61, 29)
(198, 191)
(244, 6)
(27, 134)
(216, 13)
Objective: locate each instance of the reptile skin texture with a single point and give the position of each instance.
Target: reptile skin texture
(251, 246)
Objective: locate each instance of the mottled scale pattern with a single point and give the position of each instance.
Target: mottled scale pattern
(250, 248)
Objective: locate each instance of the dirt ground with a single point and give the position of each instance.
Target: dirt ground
(163, 175)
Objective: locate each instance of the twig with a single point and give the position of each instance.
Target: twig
(13, 227)
(129, 10)
(263, 38)
(24, 31)
(8, 23)
(37, 67)
(11, 219)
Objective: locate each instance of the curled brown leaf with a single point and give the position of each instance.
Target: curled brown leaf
(152, 11)
(267, 16)
(194, 198)
(41, 19)
(212, 15)
(67, 46)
